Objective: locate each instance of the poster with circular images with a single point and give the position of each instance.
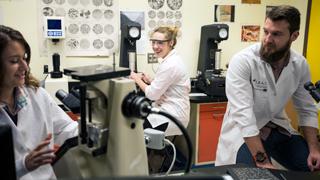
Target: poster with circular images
(164, 13)
(91, 26)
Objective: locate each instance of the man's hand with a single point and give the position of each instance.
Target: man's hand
(40, 155)
(265, 165)
(314, 159)
(310, 134)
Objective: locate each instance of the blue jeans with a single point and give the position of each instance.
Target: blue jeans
(291, 152)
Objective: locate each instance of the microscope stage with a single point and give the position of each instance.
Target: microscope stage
(96, 72)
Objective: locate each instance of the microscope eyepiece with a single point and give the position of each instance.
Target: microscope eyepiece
(313, 90)
(61, 94)
(69, 100)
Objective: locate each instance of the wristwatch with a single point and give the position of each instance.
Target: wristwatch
(260, 157)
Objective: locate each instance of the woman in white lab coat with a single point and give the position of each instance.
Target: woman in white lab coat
(171, 85)
(36, 121)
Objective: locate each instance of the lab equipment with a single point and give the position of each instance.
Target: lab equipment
(209, 78)
(69, 100)
(109, 143)
(7, 161)
(314, 90)
(130, 33)
(54, 27)
(56, 73)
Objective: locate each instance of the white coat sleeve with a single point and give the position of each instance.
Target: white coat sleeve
(163, 79)
(240, 95)
(21, 169)
(63, 126)
(303, 102)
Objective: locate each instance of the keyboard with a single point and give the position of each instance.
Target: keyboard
(245, 173)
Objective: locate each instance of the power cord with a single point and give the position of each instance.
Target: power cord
(134, 105)
(167, 142)
(155, 139)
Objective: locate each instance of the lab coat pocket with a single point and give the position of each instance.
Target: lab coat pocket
(260, 100)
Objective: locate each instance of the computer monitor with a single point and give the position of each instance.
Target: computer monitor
(7, 161)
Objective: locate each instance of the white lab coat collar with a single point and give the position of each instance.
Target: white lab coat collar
(173, 51)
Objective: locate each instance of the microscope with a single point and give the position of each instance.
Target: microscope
(109, 143)
(209, 78)
(314, 90)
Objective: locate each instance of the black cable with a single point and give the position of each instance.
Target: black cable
(184, 132)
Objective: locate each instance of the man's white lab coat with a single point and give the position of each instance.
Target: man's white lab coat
(254, 99)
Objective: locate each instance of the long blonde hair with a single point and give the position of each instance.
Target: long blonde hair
(170, 32)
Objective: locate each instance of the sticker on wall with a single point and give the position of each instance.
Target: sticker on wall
(250, 33)
(224, 13)
(92, 26)
(251, 1)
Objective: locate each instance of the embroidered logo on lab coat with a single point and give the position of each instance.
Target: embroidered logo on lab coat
(260, 85)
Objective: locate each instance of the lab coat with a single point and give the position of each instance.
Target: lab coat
(254, 99)
(39, 117)
(170, 91)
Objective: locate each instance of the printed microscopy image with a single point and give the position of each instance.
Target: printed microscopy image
(85, 13)
(73, 43)
(47, 11)
(151, 14)
(60, 12)
(152, 24)
(60, 1)
(178, 24)
(178, 15)
(73, 2)
(108, 29)
(108, 14)
(84, 44)
(47, 1)
(85, 29)
(161, 23)
(174, 4)
(108, 2)
(170, 23)
(97, 2)
(156, 4)
(97, 14)
(73, 28)
(160, 14)
(97, 28)
(169, 14)
(73, 13)
(97, 44)
(84, 2)
(108, 44)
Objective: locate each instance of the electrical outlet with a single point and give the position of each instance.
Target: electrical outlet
(152, 58)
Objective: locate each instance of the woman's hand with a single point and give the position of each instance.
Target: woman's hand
(135, 76)
(40, 155)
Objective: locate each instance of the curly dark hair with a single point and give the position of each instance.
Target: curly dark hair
(8, 35)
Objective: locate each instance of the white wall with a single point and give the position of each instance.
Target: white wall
(23, 15)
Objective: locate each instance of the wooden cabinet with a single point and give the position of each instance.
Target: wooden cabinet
(204, 130)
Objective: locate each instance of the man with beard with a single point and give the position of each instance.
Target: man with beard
(260, 81)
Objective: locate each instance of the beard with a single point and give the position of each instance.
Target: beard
(269, 53)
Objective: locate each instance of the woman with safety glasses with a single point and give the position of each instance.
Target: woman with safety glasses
(171, 84)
